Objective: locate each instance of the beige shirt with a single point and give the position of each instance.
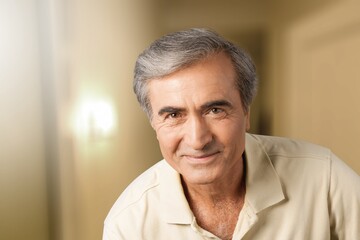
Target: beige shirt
(294, 190)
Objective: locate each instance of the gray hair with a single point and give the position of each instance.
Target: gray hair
(179, 50)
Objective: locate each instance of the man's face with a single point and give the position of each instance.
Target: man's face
(199, 120)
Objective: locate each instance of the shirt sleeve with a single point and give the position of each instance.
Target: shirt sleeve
(344, 201)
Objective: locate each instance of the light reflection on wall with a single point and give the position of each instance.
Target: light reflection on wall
(94, 119)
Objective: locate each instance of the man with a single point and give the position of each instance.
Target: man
(217, 181)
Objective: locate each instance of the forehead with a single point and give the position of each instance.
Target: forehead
(206, 80)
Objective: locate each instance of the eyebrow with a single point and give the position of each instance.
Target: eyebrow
(215, 103)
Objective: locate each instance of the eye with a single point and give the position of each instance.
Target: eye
(216, 110)
(173, 115)
(174, 118)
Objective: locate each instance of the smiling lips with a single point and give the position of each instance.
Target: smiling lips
(198, 159)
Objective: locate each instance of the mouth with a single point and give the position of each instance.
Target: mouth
(201, 158)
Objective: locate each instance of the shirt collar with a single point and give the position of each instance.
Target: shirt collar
(263, 186)
(175, 205)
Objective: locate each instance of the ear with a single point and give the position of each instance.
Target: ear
(247, 119)
(152, 124)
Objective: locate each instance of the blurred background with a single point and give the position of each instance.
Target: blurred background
(72, 134)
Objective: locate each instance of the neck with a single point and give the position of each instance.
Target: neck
(216, 206)
(231, 188)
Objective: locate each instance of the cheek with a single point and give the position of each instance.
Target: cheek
(228, 136)
(231, 132)
(168, 141)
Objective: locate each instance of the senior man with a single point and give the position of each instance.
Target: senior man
(217, 181)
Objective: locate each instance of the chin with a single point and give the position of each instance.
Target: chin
(199, 178)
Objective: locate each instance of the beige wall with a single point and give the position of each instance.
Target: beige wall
(23, 197)
(63, 55)
(102, 40)
(317, 84)
(56, 56)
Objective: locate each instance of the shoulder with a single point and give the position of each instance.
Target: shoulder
(136, 194)
(295, 160)
(304, 158)
(291, 148)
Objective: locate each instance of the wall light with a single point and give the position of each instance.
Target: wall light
(95, 119)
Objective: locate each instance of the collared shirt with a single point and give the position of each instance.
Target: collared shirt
(294, 190)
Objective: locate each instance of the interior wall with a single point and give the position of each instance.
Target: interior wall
(284, 16)
(102, 41)
(23, 195)
(228, 16)
(57, 182)
(318, 84)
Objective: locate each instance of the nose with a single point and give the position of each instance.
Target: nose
(197, 133)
